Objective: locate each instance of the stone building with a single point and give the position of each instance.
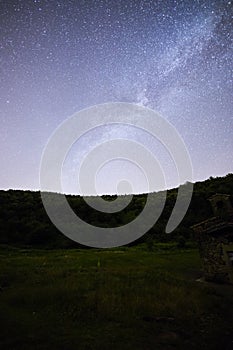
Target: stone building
(215, 240)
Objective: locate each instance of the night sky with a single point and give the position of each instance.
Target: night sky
(58, 57)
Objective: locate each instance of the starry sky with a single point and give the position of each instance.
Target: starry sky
(58, 57)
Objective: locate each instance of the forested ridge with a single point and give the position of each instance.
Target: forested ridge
(24, 222)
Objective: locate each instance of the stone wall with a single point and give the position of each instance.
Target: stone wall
(215, 239)
(211, 249)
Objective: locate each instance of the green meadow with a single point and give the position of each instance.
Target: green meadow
(124, 298)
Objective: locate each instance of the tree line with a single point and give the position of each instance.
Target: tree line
(24, 222)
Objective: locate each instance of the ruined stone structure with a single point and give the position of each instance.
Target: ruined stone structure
(215, 240)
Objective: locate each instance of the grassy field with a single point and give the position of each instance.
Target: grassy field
(111, 299)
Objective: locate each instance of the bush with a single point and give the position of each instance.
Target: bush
(181, 242)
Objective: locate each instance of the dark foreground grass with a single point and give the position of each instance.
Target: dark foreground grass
(111, 299)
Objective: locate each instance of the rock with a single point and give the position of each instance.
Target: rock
(168, 338)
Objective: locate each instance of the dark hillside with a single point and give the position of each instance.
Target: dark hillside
(24, 222)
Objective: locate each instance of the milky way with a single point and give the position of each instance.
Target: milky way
(60, 57)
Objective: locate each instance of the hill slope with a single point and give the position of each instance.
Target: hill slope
(24, 222)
